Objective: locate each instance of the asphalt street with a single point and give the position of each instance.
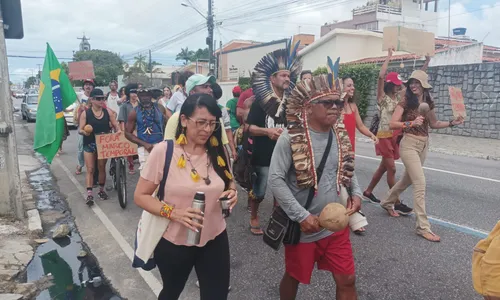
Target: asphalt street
(392, 262)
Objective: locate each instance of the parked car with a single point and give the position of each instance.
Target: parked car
(68, 115)
(29, 107)
(19, 94)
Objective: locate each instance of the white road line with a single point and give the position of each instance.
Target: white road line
(438, 170)
(148, 277)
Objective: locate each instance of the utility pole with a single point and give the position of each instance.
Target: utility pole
(210, 38)
(449, 19)
(150, 68)
(10, 182)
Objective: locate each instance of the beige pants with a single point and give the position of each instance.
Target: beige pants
(143, 157)
(413, 151)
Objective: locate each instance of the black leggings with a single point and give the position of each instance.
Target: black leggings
(211, 263)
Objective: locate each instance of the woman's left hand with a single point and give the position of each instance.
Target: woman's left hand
(374, 139)
(458, 121)
(232, 195)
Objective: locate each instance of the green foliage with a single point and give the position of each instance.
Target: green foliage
(30, 81)
(107, 65)
(244, 83)
(189, 55)
(364, 77)
(320, 70)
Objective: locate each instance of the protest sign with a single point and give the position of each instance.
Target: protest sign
(457, 101)
(81, 70)
(114, 145)
(410, 40)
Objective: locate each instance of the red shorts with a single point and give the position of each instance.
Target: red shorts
(333, 253)
(388, 147)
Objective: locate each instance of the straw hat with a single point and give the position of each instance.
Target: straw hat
(422, 77)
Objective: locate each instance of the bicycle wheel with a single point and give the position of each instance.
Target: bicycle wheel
(121, 183)
(112, 171)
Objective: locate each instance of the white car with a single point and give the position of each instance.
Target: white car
(68, 115)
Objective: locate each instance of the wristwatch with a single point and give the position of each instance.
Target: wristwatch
(406, 124)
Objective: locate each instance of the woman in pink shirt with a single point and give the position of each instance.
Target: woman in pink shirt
(199, 164)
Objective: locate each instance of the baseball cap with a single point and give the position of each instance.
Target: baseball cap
(91, 81)
(96, 93)
(394, 77)
(198, 79)
(237, 90)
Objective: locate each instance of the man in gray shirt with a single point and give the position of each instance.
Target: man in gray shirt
(312, 114)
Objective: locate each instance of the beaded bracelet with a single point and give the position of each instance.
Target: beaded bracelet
(166, 211)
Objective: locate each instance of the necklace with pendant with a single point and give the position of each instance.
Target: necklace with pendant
(195, 172)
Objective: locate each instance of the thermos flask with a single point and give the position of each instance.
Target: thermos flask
(193, 237)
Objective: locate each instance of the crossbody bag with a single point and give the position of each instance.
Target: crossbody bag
(280, 228)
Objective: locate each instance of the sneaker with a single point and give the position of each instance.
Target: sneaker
(102, 195)
(402, 209)
(371, 198)
(90, 200)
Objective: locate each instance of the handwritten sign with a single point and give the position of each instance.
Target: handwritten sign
(410, 40)
(457, 101)
(114, 145)
(81, 70)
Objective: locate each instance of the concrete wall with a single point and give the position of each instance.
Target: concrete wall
(480, 85)
(246, 59)
(469, 54)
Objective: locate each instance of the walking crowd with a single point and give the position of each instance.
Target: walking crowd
(291, 132)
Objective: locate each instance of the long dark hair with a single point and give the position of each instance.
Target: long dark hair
(204, 100)
(412, 99)
(353, 98)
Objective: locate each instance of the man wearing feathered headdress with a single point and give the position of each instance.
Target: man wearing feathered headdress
(313, 165)
(273, 78)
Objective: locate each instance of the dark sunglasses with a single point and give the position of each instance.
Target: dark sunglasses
(328, 104)
(100, 98)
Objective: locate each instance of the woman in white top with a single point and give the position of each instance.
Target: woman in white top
(167, 93)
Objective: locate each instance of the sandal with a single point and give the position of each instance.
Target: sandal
(431, 237)
(391, 212)
(78, 170)
(131, 172)
(256, 230)
(360, 232)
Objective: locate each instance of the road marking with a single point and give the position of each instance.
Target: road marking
(438, 170)
(148, 277)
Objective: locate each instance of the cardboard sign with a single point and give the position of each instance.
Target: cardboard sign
(81, 70)
(457, 101)
(114, 145)
(410, 40)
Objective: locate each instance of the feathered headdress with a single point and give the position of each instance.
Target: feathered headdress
(278, 60)
(298, 129)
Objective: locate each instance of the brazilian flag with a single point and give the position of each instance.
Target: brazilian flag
(55, 94)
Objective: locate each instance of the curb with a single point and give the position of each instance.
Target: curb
(447, 151)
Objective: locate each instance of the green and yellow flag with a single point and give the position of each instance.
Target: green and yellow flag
(55, 95)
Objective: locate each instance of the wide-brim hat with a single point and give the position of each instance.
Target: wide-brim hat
(422, 77)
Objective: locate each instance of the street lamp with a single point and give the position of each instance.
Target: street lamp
(210, 38)
(187, 5)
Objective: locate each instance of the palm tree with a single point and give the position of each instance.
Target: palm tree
(140, 62)
(185, 55)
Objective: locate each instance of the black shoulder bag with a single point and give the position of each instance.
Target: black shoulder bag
(280, 228)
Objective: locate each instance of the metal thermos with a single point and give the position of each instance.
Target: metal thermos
(193, 237)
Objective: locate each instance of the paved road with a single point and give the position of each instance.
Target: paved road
(391, 261)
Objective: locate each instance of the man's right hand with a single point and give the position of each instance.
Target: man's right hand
(274, 133)
(310, 224)
(418, 121)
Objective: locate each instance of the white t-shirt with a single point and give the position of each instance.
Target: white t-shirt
(112, 102)
(82, 97)
(175, 103)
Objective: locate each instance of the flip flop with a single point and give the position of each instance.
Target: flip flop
(431, 237)
(360, 232)
(78, 170)
(256, 228)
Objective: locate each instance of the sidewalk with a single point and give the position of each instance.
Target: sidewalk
(460, 145)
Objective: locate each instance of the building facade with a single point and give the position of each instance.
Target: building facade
(375, 15)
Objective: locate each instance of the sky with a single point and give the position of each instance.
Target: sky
(127, 28)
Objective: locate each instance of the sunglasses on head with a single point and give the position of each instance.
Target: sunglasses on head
(329, 103)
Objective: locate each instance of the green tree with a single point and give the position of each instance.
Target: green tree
(186, 55)
(30, 81)
(200, 54)
(140, 63)
(107, 65)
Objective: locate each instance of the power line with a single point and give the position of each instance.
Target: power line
(42, 57)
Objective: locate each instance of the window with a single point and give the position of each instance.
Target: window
(32, 99)
(368, 26)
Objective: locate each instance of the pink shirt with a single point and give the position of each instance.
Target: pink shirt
(180, 190)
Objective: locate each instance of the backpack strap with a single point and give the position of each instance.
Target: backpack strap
(168, 158)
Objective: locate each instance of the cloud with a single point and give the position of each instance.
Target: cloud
(126, 26)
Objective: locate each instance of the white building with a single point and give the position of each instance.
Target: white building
(376, 15)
